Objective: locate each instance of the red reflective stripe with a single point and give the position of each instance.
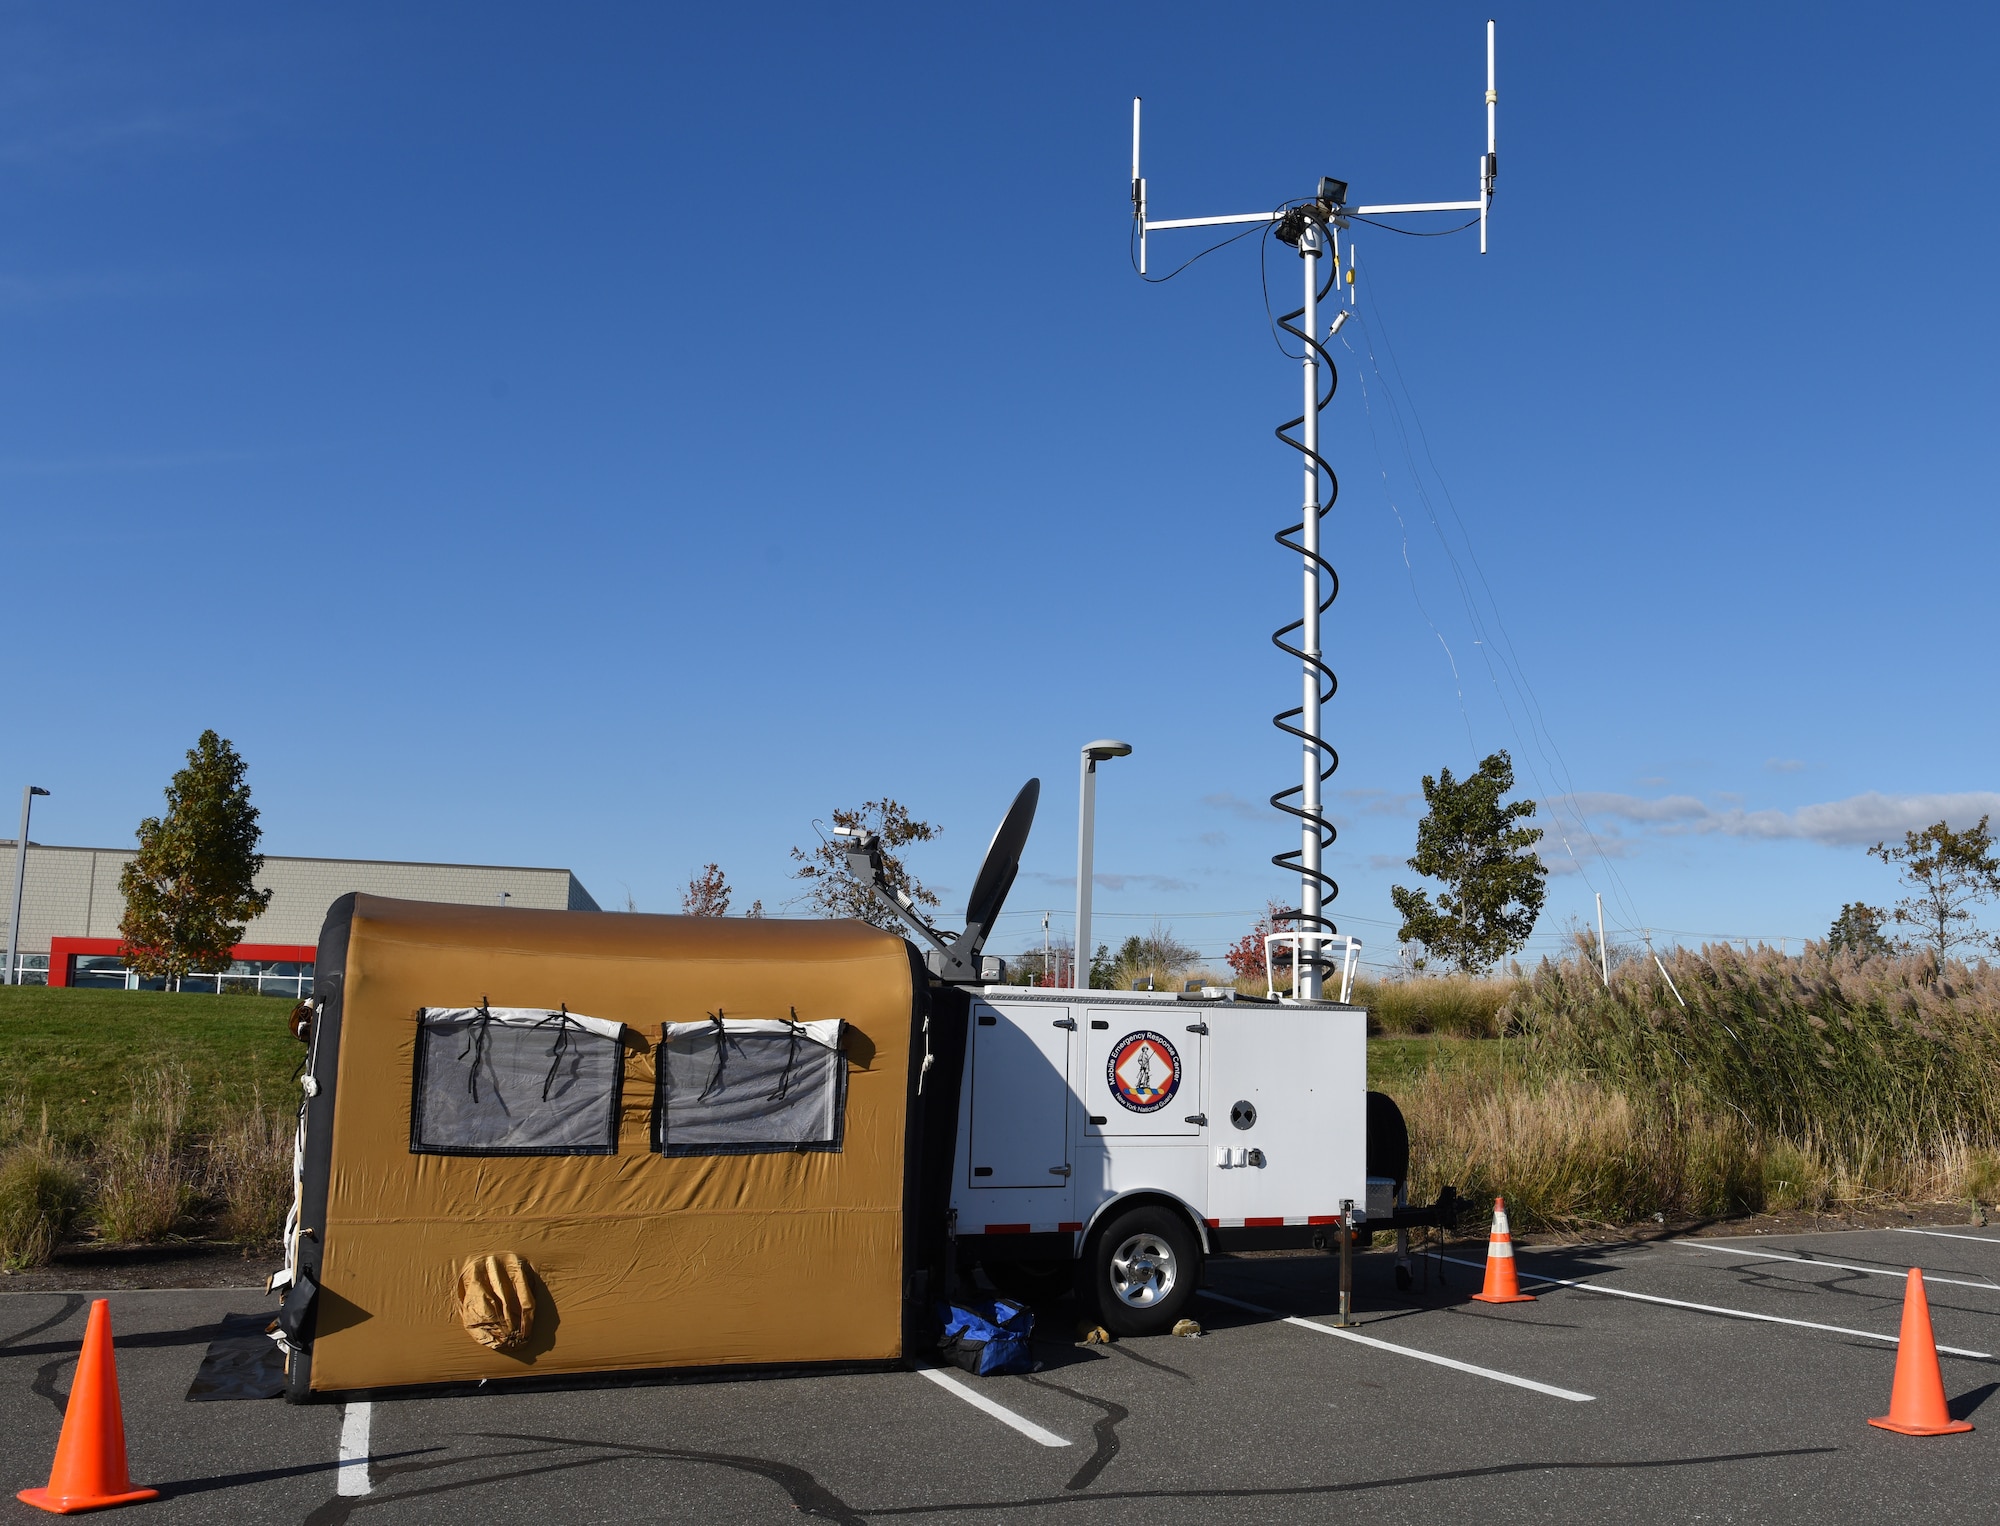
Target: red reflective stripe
(1007, 1229)
(1262, 1223)
(1066, 1225)
(1322, 1218)
(1214, 1223)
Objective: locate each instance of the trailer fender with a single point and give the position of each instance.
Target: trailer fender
(1139, 1195)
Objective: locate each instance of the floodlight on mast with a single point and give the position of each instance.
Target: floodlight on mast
(1313, 226)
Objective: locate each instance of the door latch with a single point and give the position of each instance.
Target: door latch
(1066, 1022)
(1058, 1170)
(1198, 1028)
(1198, 1119)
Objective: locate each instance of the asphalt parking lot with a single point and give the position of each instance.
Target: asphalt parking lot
(1641, 1392)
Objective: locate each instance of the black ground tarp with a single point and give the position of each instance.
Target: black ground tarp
(242, 1363)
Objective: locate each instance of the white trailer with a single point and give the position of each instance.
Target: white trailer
(1116, 1139)
(1113, 1140)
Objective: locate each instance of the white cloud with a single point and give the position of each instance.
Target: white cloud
(1104, 880)
(1784, 766)
(1857, 821)
(1236, 805)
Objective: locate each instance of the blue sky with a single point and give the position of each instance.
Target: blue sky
(616, 436)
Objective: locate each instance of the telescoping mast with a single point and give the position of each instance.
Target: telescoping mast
(1313, 226)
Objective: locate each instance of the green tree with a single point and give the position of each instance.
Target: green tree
(1948, 873)
(1159, 953)
(1472, 840)
(1858, 930)
(1103, 969)
(832, 892)
(192, 886)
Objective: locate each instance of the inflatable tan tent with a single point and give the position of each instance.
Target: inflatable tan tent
(558, 1143)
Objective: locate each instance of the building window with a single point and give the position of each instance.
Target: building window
(30, 969)
(101, 972)
(749, 1087)
(257, 977)
(515, 1081)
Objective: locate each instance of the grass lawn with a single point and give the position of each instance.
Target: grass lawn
(1394, 1062)
(78, 1052)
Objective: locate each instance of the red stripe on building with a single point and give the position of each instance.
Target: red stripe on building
(1067, 1225)
(1214, 1223)
(1322, 1218)
(1007, 1229)
(1263, 1223)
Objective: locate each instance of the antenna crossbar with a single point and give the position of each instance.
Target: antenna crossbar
(1272, 217)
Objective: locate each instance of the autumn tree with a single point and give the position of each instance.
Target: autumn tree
(707, 894)
(192, 887)
(1858, 930)
(1948, 873)
(832, 892)
(1246, 954)
(1472, 840)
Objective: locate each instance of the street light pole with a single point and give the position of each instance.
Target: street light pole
(13, 975)
(1086, 825)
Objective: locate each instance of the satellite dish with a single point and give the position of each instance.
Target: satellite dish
(1003, 862)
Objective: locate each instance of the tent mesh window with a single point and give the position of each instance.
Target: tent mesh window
(515, 1081)
(749, 1087)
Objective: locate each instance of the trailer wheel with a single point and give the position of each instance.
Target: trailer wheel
(1140, 1271)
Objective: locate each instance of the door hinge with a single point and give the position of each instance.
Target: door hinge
(1198, 1119)
(1066, 1022)
(1197, 1027)
(1058, 1170)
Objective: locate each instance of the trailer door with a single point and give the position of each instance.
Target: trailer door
(1020, 1096)
(1142, 1072)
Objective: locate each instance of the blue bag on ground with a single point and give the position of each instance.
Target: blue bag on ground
(988, 1338)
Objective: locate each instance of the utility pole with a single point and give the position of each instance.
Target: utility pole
(1312, 226)
(1603, 959)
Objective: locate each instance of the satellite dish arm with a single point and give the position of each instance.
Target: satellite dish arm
(948, 961)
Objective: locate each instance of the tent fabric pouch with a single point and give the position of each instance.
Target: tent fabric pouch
(515, 1081)
(737, 1086)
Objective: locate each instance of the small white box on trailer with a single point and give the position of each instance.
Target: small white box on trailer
(1289, 1088)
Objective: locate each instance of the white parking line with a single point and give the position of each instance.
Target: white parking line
(352, 1475)
(1941, 1235)
(1422, 1356)
(1709, 1308)
(998, 1411)
(1873, 1271)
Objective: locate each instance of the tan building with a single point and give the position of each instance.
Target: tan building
(71, 908)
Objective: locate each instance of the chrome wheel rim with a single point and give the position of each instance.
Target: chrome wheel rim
(1143, 1271)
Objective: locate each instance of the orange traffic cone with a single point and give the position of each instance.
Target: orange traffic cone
(1916, 1403)
(89, 1471)
(1502, 1285)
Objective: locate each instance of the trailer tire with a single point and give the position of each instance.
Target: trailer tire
(1140, 1270)
(1388, 1146)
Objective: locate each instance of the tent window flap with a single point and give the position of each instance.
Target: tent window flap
(749, 1087)
(515, 1081)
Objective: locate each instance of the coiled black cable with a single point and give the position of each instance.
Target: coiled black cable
(1283, 800)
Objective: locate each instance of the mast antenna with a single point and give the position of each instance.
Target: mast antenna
(1313, 226)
